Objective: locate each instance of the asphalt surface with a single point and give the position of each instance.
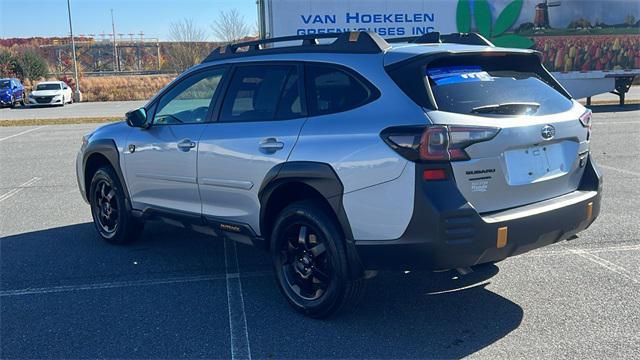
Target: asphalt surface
(77, 110)
(177, 294)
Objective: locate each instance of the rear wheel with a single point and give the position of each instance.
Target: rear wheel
(310, 261)
(108, 208)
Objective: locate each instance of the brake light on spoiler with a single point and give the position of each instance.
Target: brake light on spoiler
(436, 143)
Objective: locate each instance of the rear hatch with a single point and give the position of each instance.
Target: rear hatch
(539, 146)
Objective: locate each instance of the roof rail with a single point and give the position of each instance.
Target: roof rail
(354, 42)
(453, 38)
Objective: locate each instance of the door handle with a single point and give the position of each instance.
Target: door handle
(186, 145)
(271, 145)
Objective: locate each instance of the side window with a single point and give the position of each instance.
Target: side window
(332, 90)
(262, 93)
(188, 102)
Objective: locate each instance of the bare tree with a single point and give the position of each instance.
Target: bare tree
(230, 26)
(187, 48)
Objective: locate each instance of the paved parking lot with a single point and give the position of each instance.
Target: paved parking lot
(179, 294)
(77, 110)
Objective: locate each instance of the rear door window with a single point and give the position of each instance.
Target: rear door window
(332, 90)
(262, 93)
(489, 91)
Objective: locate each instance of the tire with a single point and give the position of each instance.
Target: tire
(310, 261)
(111, 217)
(63, 100)
(13, 102)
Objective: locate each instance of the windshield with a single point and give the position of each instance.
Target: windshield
(48, 87)
(472, 89)
(4, 84)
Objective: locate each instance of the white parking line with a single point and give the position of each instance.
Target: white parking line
(121, 284)
(544, 253)
(628, 172)
(607, 265)
(240, 348)
(616, 122)
(20, 187)
(22, 133)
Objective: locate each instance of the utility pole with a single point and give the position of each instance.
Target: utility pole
(116, 62)
(77, 94)
(262, 29)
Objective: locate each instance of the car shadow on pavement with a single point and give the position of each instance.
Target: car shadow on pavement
(75, 254)
(402, 315)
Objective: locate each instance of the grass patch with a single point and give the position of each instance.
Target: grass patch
(35, 122)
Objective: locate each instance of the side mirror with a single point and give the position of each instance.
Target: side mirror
(137, 118)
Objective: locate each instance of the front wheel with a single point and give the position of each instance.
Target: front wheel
(310, 261)
(110, 215)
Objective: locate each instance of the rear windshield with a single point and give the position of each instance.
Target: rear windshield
(48, 87)
(490, 90)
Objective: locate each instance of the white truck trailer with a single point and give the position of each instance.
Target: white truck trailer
(591, 46)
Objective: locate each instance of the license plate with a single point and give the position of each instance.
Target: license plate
(536, 163)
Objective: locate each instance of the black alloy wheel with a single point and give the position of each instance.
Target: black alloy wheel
(304, 261)
(111, 217)
(309, 255)
(106, 207)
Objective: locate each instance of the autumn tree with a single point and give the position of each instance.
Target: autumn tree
(230, 26)
(187, 48)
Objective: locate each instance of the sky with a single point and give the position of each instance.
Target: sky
(49, 17)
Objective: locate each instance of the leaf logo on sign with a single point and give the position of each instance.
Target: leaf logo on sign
(494, 31)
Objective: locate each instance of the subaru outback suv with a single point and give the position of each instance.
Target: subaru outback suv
(350, 156)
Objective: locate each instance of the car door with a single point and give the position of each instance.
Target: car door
(258, 124)
(19, 89)
(161, 161)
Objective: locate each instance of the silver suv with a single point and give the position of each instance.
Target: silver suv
(348, 156)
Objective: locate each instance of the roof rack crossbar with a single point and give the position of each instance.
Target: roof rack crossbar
(346, 42)
(453, 38)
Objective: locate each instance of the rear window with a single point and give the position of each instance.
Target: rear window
(474, 89)
(483, 84)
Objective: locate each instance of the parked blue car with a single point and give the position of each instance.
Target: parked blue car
(11, 92)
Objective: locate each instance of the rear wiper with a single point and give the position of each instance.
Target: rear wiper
(513, 108)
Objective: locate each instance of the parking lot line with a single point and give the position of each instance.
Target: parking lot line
(620, 170)
(607, 265)
(120, 284)
(240, 348)
(616, 122)
(22, 133)
(20, 187)
(544, 253)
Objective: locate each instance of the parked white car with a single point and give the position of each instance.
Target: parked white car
(51, 93)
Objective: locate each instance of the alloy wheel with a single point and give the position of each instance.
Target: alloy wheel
(106, 207)
(305, 262)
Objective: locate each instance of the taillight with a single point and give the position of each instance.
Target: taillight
(585, 119)
(436, 142)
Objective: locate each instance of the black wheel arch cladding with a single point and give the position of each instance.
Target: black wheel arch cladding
(108, 149)
(319, 176)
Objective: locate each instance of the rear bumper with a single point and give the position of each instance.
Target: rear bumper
(446, 232)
